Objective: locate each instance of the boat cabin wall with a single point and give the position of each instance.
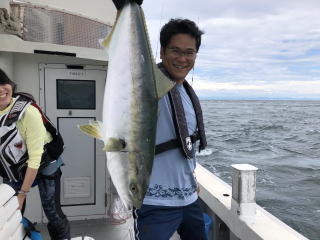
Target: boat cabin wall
(6, 63)
(24, 70)
(27, 71)
(100, 10)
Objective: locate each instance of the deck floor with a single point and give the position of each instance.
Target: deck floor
(98, 229)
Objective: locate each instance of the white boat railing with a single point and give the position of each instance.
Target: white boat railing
(11, 227)
(234, 211)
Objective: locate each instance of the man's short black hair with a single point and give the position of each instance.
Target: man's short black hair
(4, 79)
(176, 26)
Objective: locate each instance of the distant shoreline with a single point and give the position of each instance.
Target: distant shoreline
(258, 99)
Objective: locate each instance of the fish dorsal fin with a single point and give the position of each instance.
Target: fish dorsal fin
(93, 129)
(105, 43)
(163, 83)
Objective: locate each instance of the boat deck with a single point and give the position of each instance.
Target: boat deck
(98, 229)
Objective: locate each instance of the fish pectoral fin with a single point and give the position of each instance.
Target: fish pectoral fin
(163, 83)
(92, 129)
(96, 124)
(114, 145)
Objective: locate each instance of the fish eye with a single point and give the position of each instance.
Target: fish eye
(133, 188)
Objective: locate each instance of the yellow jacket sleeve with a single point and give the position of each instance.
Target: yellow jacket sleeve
(35, 135)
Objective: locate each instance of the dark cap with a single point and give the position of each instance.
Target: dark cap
(4, 79)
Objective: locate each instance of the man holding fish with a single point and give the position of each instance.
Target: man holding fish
(171, 202)
(150, 134)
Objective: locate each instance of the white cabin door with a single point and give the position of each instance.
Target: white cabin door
(73, 95)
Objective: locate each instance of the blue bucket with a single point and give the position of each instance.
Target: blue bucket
(30, 229)
(207, 224)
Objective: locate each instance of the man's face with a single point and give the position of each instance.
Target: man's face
(5, 95)
(179, 56)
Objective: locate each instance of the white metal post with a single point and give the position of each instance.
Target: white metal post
(244, 189)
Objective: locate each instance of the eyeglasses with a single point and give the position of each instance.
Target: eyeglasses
(176, 52)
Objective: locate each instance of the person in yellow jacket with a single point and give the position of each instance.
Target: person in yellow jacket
(21, 152)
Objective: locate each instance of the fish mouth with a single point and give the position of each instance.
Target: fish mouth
(137, 198)
(137, 203)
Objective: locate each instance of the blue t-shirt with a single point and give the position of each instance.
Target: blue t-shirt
(172, 182)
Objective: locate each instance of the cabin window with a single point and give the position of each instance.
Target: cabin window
(76, 94)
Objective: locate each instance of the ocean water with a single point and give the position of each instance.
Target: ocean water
(282, 139)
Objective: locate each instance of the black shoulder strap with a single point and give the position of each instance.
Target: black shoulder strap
(17, 110)
(162, 147)
(56, 146)
(197, 108)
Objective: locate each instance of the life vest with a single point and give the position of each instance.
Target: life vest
(13, 150)
(183, 141)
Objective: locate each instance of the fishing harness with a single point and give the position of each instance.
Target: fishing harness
(183, 141)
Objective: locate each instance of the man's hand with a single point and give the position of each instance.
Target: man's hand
(120, 3)
(198, 187)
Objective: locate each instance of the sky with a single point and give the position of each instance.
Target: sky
(251, 49)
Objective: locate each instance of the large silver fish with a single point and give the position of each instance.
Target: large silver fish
(133, 87)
